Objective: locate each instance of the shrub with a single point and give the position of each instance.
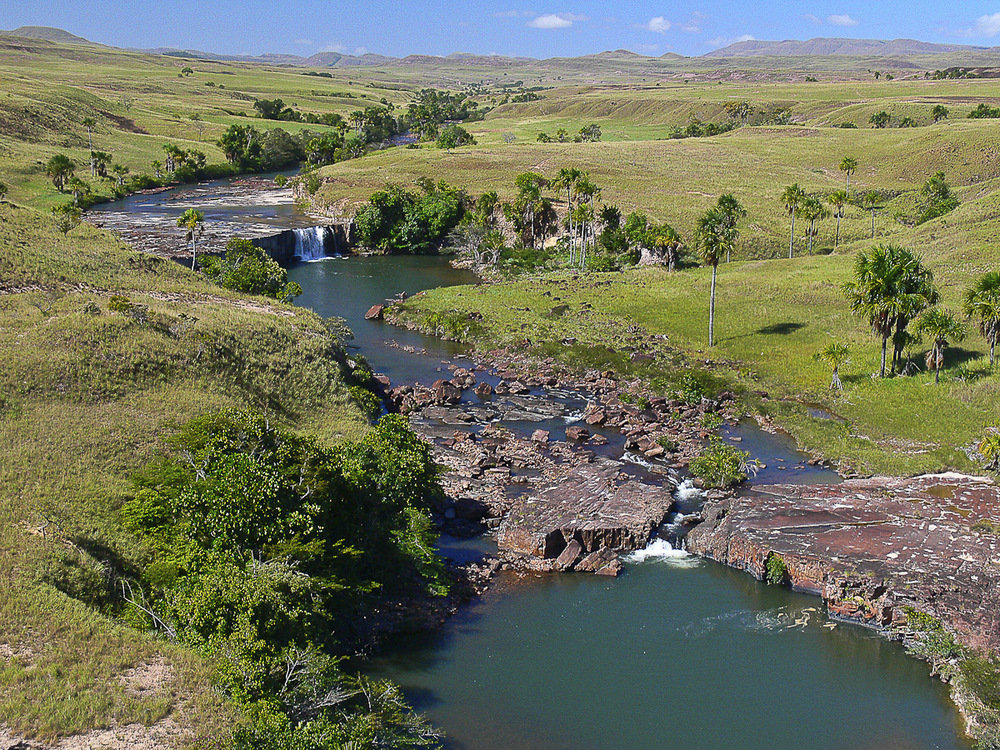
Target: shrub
(721, 465)
(368, 401)
(776, 571)
(982, 676)
(248, 268)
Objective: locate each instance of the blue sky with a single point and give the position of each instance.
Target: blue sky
(539, 28)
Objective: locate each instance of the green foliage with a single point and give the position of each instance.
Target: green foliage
(67, 217)
(981, 675)
(929, 640)
(367, 400)
(248, 268)
(711, 420)
(453, 136)
(59, 169)
(400, 221)
(3, 190)
(242, 146)
(776, 572)
(721, 465)
(984, 112)
(939, 198)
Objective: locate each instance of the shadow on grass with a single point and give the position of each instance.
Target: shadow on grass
(781, 329)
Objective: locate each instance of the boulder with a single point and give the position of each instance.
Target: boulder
(577, 433)
(375, 312)
(540, 436)
(445, 392)
(569, 555)
(484, 390)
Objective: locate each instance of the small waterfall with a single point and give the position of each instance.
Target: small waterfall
(310, 243)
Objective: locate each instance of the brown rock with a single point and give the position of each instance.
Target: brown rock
(575, 432)
(375, 312)
(540, 436)
(569, 555)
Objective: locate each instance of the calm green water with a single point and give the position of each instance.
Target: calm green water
(679, 654)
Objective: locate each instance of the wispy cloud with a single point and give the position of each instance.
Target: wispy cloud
(659, 25)
(721, 41)
(513, 14)
(342, 49)
(986, 26)
(842, 19)
(305, 42)
(812, 18)
(555, 20)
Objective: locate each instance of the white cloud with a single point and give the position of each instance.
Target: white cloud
(812, 19)
(842, 20)
(720, 41)
(339, 48)
(646, 48)
(986, 26)
(658, 25)
(305, 42)
(506, 14)
(555, 20)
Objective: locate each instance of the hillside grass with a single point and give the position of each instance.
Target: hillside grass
(87, 397)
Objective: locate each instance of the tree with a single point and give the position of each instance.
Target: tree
(715, 239)
(812, 210)
(836, 356)
(249, 269)
(732, 212)
(667, 241)
(566, 179)
(120, 172)
(880, 119)
(848, 166)
(889, 289)
(90, 123)
(193, 223)
(739, 111)
(242, 147)
(940, 326)
(837, 199)
(199, 123)
(174, 157)
(60, 168)
(871, 201)
(982, 304)
(100, 160)
(157, 168)
(792, 197)
(590, 133)
(453, 136)
(485, 210)
(78, 188)
(940, 112)
(67, 217)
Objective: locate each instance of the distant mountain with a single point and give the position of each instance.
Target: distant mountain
(48, 34)
(820, 47)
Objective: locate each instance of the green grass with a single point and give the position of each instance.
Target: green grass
(87, 397)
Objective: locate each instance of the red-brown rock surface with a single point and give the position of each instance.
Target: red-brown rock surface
(871, 547)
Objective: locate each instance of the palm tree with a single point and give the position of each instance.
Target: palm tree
(848, 166)
(89, 123)
(60, 168)
(813, 210)
(871, 201)
(193, 222)
(982, 302)
(665, 238)
(733, 212)
(835, 355)
(715, 239)
(940, 325)
(890, 288)
(566, 178)
(792, 197)
(837, 199)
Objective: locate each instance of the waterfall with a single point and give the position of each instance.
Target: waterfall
(310, 243)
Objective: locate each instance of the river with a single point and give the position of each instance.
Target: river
(675, 653)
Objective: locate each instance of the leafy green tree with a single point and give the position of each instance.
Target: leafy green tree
(242, 146)
(90, 123)
(889, 289)
(665, 239)
(938, 196)
(982, 304)
(941, 326)
(880, 119)
(121, 172)
(486, 207)
(812, 210)
(838, 200)
(193, 223)
(848, 166)
(836, 355)
(67, 217)
(453, 136)
(590, 133)
(249, 269)
(792, 198)
(59, 169)
(567, 179)
(78, 188)
(157, 168)
(714, 240)
(325, 148)
(100, 160)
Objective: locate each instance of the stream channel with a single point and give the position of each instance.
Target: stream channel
(676, 652)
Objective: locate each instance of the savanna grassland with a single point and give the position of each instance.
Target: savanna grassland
(107, 350)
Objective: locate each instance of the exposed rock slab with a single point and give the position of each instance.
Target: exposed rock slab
(593, 509)
(872, 547)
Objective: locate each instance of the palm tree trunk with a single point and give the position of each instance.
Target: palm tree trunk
(791, 238)
(836, 384)
(812, 230)
(992, 347)
(194, 254)
(873, 223)
(885, 342)
(848, 183)
(711, 309)
(836, 244)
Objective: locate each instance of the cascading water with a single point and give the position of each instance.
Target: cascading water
(310, 243)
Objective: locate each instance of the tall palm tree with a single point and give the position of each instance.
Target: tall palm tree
(837, 199)
(193, 223)
(90, 123)
(982, 303)
(812, 210)
(941, 326)
(566, 179)
(836, 356)
(890, 288)
(871, 201)
(732, 211)
(848, 166)
(792, 197)
(714, 240)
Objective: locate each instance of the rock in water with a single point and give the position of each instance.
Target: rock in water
(375, 312)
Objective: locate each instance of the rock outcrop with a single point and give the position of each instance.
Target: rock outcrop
(872, 547)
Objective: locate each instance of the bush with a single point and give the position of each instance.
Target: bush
(982, 676)
(776, 572)
(249, 269)
(366, 400)
(721, 465)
